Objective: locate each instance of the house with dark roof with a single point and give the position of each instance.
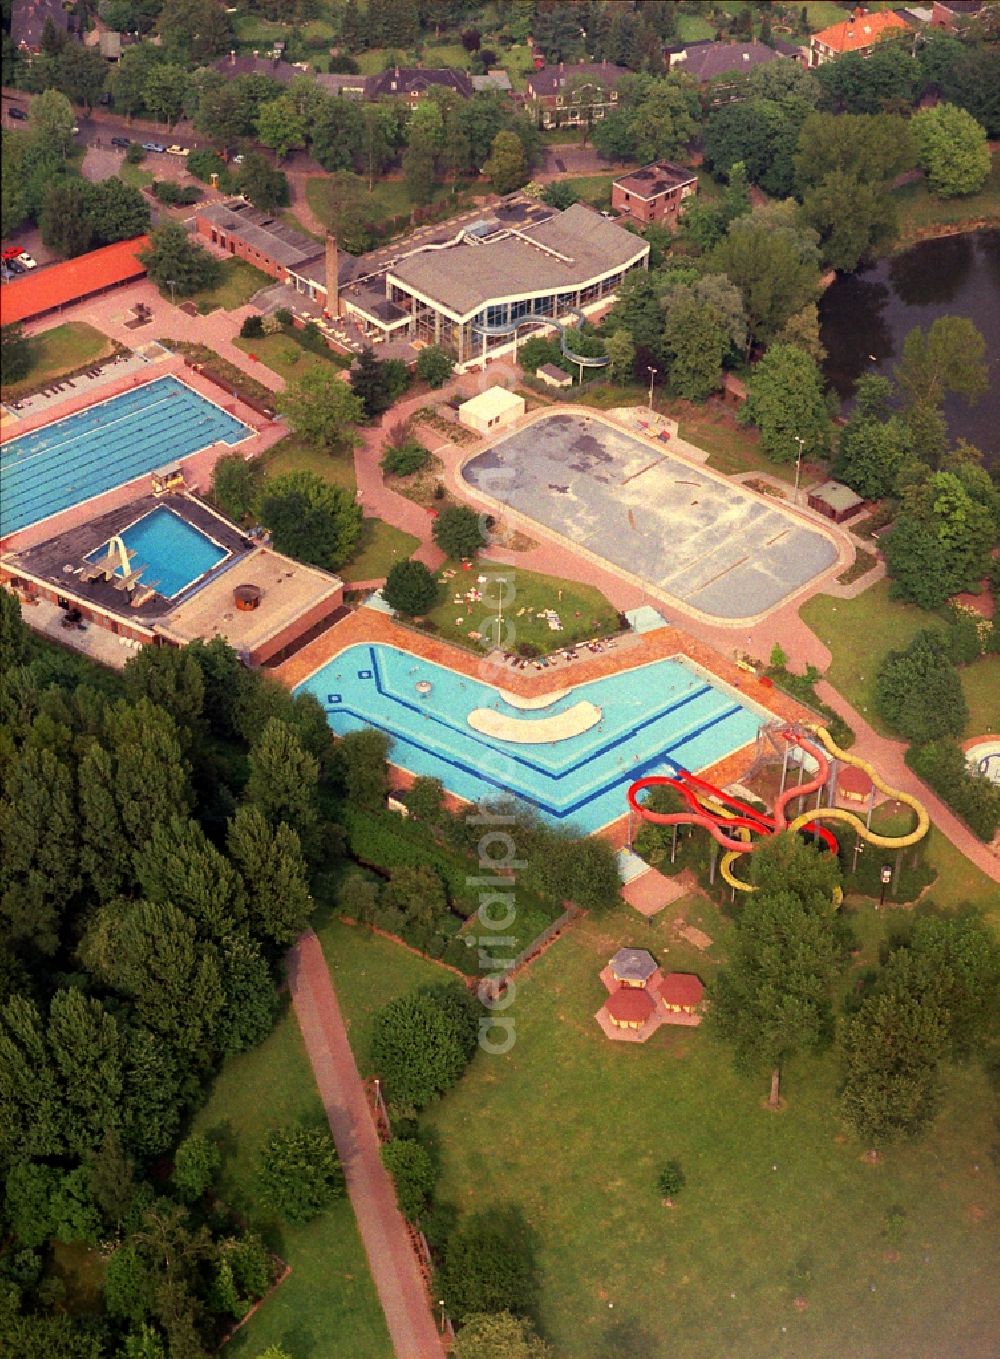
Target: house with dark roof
(654, 193)
(953, 15)
(27, 22)
(707, 61)
(272, 65)
(571, 95)
(416, 82)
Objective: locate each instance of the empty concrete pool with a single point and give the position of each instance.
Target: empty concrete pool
(704, 541)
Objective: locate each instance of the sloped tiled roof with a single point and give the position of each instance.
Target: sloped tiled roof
(853, 35)
(59, 284)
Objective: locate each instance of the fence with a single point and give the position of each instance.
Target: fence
(538, 945)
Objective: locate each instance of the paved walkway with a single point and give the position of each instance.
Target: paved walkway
(391, 1258)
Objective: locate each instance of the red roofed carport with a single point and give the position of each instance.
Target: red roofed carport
(60, 285)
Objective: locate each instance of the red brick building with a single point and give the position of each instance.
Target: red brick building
(654, 193)
(257, 237)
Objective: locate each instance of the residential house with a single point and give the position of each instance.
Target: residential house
(706, 61)
(27, 22)
(411, 83)
(858, 34)
(953, 15)
(571, 95)
(272, 66)
(654, 193)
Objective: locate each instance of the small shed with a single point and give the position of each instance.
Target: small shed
(853, 784)
(835, 500)
(553, 376)
(632, 967)
(681, 992)
(494, 409)
(629, 1007)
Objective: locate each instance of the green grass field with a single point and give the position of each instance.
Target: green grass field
(860, 631)
(238, 284)
(327, 1308)
(135, 176)
(59, 351)
(592, 189)
(574, 1129)
(583, 610)
(380, 543)
(920, 214)
(287, 356)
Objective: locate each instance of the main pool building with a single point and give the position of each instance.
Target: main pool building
(473, 287)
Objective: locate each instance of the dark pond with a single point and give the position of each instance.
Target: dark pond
(865, 318)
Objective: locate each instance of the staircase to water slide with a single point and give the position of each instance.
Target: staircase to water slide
(512, 327)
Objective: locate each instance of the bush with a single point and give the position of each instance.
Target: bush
(165, 190)
(489, 1265)
(410, 588)
(134, 155)
(918, 692)
(412, 1172)
(235, 485)
(405, 459)
(252, 328)
(283, 316)
(457, 532)
(434, 366)
(203, 163)
(422, 1043)
(671, 1180)
(299, 1173)
(196, 1164)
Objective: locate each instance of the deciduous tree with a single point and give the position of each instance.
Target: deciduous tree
(410, 588)
(322, 408)
(918, 691)
(174, 258)
(422, 1043)
(787, 402)
(299, 1173)
(952, 148)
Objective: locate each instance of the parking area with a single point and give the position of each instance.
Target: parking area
(693, 536)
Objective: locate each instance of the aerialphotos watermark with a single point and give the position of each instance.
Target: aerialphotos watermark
(497, 850)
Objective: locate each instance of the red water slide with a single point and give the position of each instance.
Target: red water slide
(745, 817)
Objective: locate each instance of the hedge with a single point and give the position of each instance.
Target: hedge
(973, 797)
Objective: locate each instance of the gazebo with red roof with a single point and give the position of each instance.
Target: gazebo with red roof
(681, 992)
(853, 784)
(630, 1007)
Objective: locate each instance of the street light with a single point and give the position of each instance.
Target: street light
(441, 1305)
(798, 466)
(652, 373)
(172, 285)
(501, 581)
(885, 877)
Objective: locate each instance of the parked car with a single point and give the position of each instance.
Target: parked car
(15, 266)
(176, 150)
(237, 160)
(121, 141)
(11, 252)
(18, 115)
(26, 261)
(75, 129)
(153, 146)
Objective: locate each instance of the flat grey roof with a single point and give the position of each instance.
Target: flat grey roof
(262, 232)
(578, 245)
(836, 495)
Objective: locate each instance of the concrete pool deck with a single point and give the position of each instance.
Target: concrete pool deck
(677, 531)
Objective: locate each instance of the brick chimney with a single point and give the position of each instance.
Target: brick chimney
(332, 307)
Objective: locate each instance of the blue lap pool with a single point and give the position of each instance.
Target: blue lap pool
(173, 552)
(654, 718)
(106, 446)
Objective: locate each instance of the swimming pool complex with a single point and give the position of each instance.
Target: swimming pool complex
(174, 553)
(655, 718)
(107, 445)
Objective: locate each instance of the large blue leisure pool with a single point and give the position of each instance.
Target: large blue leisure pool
(173, 553)
(656, 718)
(106, 446)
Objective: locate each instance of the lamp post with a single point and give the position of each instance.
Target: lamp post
(652, 374)
(172, 285)
(441, 1305)
(501, 581)
(798, 466)
(885, 877)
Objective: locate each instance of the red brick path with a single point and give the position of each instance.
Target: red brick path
(393, 1263)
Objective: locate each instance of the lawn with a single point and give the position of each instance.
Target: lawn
(921, 214)
(447, 54)
(380, 544)
(583, 610)
(777, 1208)
(592, 189)
(60, 350)
(327, 1308)
(287, 355)
(135, 176)
(238, 284)
(376, 971)
(731, 448)
(860, 631)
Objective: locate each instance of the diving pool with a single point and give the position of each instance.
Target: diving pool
(174, 553)
(656, 718)
(107, 445)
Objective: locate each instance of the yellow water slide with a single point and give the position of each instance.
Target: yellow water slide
(842, 814)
